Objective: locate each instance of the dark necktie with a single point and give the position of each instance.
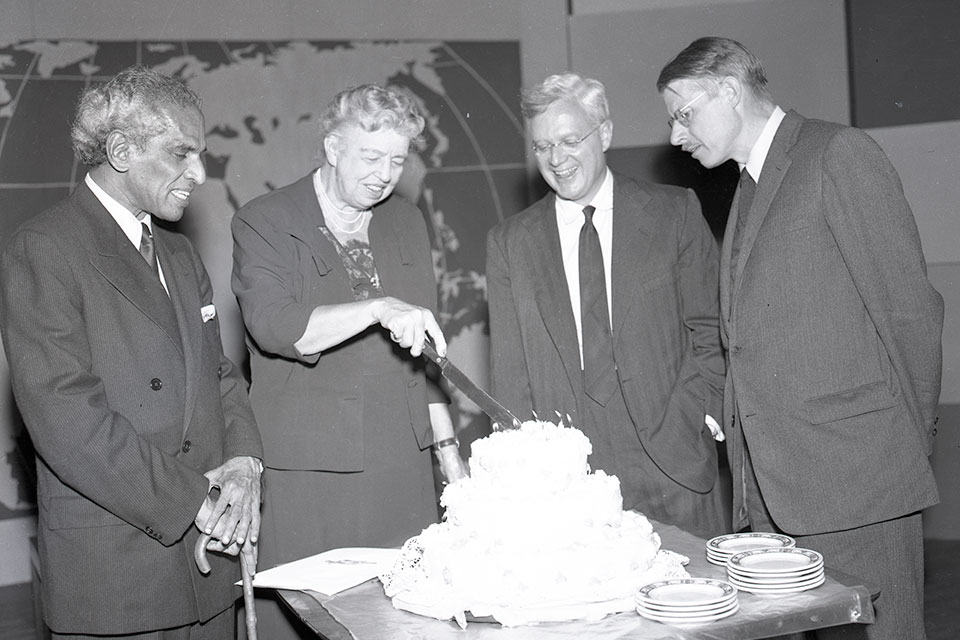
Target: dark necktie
(599, 369)
(747, 190)
(147, 249)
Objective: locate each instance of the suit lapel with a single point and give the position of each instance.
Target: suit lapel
(122, 265)
(726, 252)
(631, 244)
(774, 169)
(551, 292)
(304, 225)
(185, 300)
(388, 241)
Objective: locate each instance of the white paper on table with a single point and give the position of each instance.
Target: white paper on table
(329, 572)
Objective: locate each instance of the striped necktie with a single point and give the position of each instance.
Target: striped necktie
(147, 248)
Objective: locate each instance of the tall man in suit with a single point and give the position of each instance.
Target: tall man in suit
(604, 308)
(118, 370)
(831, 326)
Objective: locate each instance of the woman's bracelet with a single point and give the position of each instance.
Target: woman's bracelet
(440, 444)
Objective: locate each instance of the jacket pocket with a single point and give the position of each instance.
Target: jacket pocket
(873, 396)
(794, 226)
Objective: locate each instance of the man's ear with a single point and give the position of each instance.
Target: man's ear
(118, 148)
(606, 134)
(731, 90)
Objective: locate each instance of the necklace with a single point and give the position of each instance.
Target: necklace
(341, 224)
(339, 219)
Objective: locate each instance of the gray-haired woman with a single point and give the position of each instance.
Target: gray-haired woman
(336, 285)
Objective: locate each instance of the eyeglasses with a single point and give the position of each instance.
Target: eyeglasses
(570, 146)
(683, 114)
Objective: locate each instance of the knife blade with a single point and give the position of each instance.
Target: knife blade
(501, 416)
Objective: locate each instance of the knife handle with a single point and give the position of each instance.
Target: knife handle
(430, 352)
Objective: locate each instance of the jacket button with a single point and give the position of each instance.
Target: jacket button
(735, 348)
(412, 384)
(186, 446)
(220, 372)
(156, 384)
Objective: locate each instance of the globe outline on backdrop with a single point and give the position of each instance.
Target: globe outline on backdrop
(261, 103)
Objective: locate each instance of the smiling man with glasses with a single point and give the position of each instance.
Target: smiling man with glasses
(570, 146)
(831, 326)
(603, 308)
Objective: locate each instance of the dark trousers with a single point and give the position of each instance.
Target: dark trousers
(887, 555)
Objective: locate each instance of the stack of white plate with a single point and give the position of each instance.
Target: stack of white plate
(687, 600)
(721, 548)
(776, 571)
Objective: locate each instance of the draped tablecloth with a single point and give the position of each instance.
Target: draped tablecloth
(365, 613)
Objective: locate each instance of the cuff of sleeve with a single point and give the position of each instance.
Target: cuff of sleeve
(435, 392)
(289, 327)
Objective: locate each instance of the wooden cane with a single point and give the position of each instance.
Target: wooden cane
(200, 555)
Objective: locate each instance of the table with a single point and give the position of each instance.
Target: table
(365, 613)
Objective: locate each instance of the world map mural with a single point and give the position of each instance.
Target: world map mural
(261, 101)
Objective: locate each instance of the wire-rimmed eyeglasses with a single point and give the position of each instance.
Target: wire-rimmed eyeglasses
(684, 113)
(568, 145)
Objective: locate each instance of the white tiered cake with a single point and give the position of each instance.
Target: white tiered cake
(531, 536)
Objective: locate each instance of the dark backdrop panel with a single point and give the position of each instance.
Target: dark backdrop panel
(905, 61)
(670, 165)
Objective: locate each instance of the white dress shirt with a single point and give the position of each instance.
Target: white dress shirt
(758, 155)
(129, 222)
(570, 220)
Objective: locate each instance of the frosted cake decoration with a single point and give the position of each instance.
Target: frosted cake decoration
(531, 536)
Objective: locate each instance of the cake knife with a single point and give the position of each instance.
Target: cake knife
(499, 414)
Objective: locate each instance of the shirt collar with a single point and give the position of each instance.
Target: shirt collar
(758, 155)
(129, 223)
(570, 212)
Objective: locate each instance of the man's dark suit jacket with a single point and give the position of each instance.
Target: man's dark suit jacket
(129, 400)
(833, 333)
(665, 322)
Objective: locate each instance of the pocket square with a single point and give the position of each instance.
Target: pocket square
(208, 312)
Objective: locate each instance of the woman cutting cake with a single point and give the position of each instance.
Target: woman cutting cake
(335, 282)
